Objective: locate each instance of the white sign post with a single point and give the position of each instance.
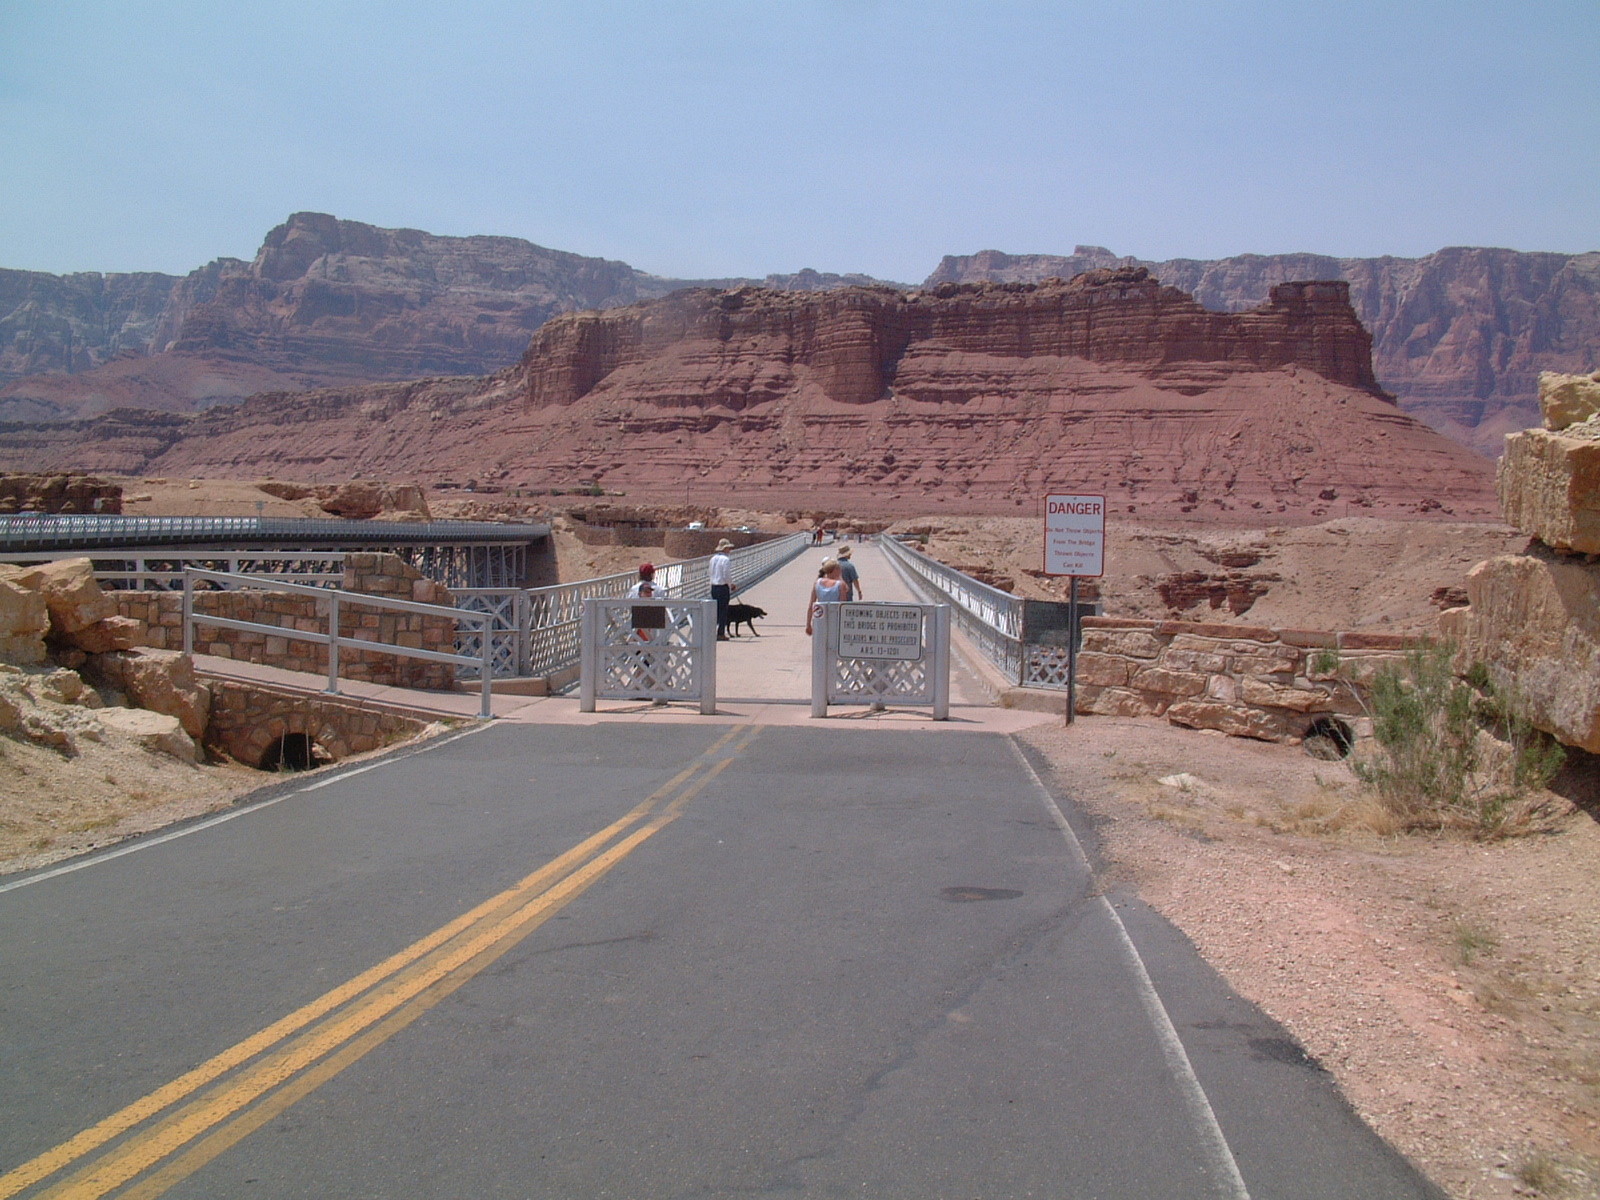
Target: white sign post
(1075, 545)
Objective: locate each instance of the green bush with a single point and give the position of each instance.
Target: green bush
(1455, 753)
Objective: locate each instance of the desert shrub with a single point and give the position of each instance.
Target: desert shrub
(1455, 753)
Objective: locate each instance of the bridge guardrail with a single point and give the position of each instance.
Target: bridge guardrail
(990, 617)
(536, 632)
(334, 599)
(1033, 642)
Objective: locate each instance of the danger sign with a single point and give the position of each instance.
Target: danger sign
(1074, 535)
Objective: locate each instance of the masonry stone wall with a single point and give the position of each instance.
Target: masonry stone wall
(372, 574)
(697, 543)
(248, 718)
(618, 535)
(1245, 680)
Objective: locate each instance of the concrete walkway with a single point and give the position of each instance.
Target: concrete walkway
(762, 680)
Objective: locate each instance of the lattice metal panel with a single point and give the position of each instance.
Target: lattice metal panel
(505, 637)
(858, 681)
(633, 658)
(1046, 667)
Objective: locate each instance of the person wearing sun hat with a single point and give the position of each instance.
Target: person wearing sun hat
(720, 575)
(852, 577)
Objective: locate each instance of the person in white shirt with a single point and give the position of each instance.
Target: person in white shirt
(721, 579)
(647, 575)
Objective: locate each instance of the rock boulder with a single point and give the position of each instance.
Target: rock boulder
(1534, 621)
(163, 681)
(153, 730)
(24, 620)
(1568, 399)
(71, 593)
(1549, 485)
(114, 633)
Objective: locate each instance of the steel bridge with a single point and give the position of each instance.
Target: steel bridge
(152, 551)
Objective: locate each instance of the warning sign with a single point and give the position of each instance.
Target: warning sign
(1074, 535)
(884, 631)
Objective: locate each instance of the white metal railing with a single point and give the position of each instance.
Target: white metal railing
(334, 599)
(156, 570)
(990, 617)
(537, 632)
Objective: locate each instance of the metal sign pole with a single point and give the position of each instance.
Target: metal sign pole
(821, 661)
(1072, 651)
(588, 654)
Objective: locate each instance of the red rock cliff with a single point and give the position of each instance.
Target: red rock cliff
(983, 397)
(855, 340)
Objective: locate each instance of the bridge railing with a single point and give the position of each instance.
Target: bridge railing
(333, 601)
(1032, 642)
(163, 571)
(537, 632)
(990, 617)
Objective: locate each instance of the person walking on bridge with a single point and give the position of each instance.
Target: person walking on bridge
(720, 576)
(851, 577)
(829, 588)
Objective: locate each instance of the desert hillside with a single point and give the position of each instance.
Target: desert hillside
(324, 302)
(970, 398)
(1459, 336)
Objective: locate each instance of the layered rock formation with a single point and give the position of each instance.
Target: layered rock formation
(58, 494)
(1534, 619)
(1549, 479)
(986, 396)
(1459, 336)
(325, 301)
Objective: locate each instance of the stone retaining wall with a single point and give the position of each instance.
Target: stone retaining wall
(697, 543)
(1245, 680)
(248, 718)
(618, 535)
(372, 574)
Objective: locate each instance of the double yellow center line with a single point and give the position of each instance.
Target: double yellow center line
(228, 1097)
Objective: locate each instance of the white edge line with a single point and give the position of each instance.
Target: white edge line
(144, 843)
(1214, 1145)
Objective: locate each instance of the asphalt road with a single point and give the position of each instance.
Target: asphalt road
(659, 961)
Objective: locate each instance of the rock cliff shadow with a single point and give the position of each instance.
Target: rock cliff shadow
(1579, 780)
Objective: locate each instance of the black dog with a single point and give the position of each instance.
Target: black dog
(743, 614)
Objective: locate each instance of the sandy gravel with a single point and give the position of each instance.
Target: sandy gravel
(53, 806)
(1452, 987)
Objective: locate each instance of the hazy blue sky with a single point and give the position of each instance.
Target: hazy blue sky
(696, 138)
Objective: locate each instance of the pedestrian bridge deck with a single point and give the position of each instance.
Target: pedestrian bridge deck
(760, 680)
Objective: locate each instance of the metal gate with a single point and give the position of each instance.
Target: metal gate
(881, 654)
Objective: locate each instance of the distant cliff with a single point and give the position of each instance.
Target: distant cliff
(325, 301)
(1459, 336)
(983, 396)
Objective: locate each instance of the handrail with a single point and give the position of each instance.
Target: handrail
(335, 599)
(168, 574)
(991, 617)
(545, 639)
(70, 530)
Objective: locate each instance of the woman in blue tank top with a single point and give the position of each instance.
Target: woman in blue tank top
(828, 589)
